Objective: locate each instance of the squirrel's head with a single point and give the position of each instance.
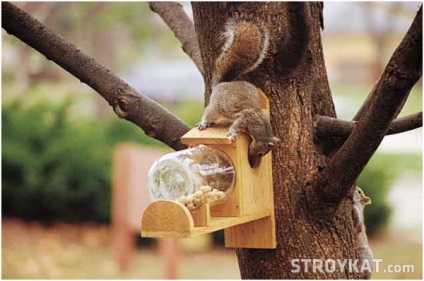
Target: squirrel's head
(257, 149)
(359, 196)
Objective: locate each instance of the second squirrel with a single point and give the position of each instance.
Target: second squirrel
(236, 103)
(362, 246)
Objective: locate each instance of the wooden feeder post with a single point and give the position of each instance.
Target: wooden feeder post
(247, 216)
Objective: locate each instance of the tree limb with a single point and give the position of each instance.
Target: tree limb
(366, 104)
(329, 127)
(177, 20)
(402, 72)
(406, 123)
(156, 121)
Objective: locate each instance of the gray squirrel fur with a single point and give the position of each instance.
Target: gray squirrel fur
(236, 103)
(362, 246)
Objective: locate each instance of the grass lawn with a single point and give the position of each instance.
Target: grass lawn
(397, 249)
(64, 251)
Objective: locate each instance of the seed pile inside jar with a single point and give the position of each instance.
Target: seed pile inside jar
(205, 194)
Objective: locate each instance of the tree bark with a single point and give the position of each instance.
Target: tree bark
(327, 127)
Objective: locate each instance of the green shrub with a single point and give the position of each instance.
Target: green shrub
(52, 168)
(57, 166)
(375, 181)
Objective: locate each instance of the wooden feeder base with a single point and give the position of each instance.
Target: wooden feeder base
(165, 218)
(248, 213)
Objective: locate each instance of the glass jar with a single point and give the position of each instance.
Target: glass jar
(192, 177)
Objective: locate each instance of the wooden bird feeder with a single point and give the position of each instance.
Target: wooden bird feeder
(247, 216)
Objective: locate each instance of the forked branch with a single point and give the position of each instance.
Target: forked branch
(177, 20)
(328, 127)
(402, 72)
(155, 120)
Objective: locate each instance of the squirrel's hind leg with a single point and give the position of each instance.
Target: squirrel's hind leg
(203, 125)
(208, 119)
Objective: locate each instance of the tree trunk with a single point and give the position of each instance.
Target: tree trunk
(294, 77)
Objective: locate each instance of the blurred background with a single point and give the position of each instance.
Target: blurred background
(58, 139)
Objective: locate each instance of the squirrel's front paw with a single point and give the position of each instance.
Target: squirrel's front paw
(203, 125)
(232, 135)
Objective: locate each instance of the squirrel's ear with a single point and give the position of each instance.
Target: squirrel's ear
(276, 141)
(366, 200)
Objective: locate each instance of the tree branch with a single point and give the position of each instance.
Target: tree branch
(177, 20)
(402, 72)
(366, 104)
(406, 123)
(156, 121)
(329, 127)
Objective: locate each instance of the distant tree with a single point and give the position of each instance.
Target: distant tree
(320, 158)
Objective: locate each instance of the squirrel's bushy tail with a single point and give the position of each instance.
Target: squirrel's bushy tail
(245, 47)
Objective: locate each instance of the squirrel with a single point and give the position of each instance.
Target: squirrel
(236, 103)
(362, 246)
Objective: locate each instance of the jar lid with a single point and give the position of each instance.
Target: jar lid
(169, 179)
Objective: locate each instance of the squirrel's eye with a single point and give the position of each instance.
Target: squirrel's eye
(260, 154)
